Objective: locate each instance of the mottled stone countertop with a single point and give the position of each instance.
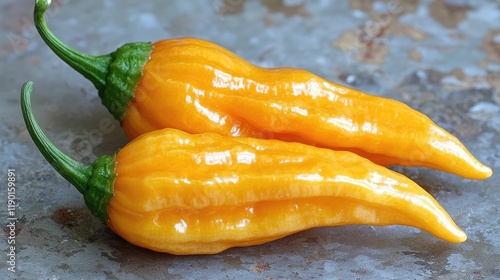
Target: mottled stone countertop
(441, 57)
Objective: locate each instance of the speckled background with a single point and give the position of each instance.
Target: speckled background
(441, 57)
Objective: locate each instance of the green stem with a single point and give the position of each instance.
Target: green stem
(73, 171)
(95, 182)
(94, 68)
(115, 75)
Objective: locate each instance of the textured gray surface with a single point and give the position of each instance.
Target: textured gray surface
(441, 57)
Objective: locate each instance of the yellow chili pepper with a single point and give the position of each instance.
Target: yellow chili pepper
(197, 86)
(174, 192)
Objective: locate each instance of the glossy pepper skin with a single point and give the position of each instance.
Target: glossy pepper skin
(197, 86)
(174, 192)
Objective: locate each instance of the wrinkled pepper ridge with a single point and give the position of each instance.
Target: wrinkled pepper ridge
(174, 192)
(196, 86)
